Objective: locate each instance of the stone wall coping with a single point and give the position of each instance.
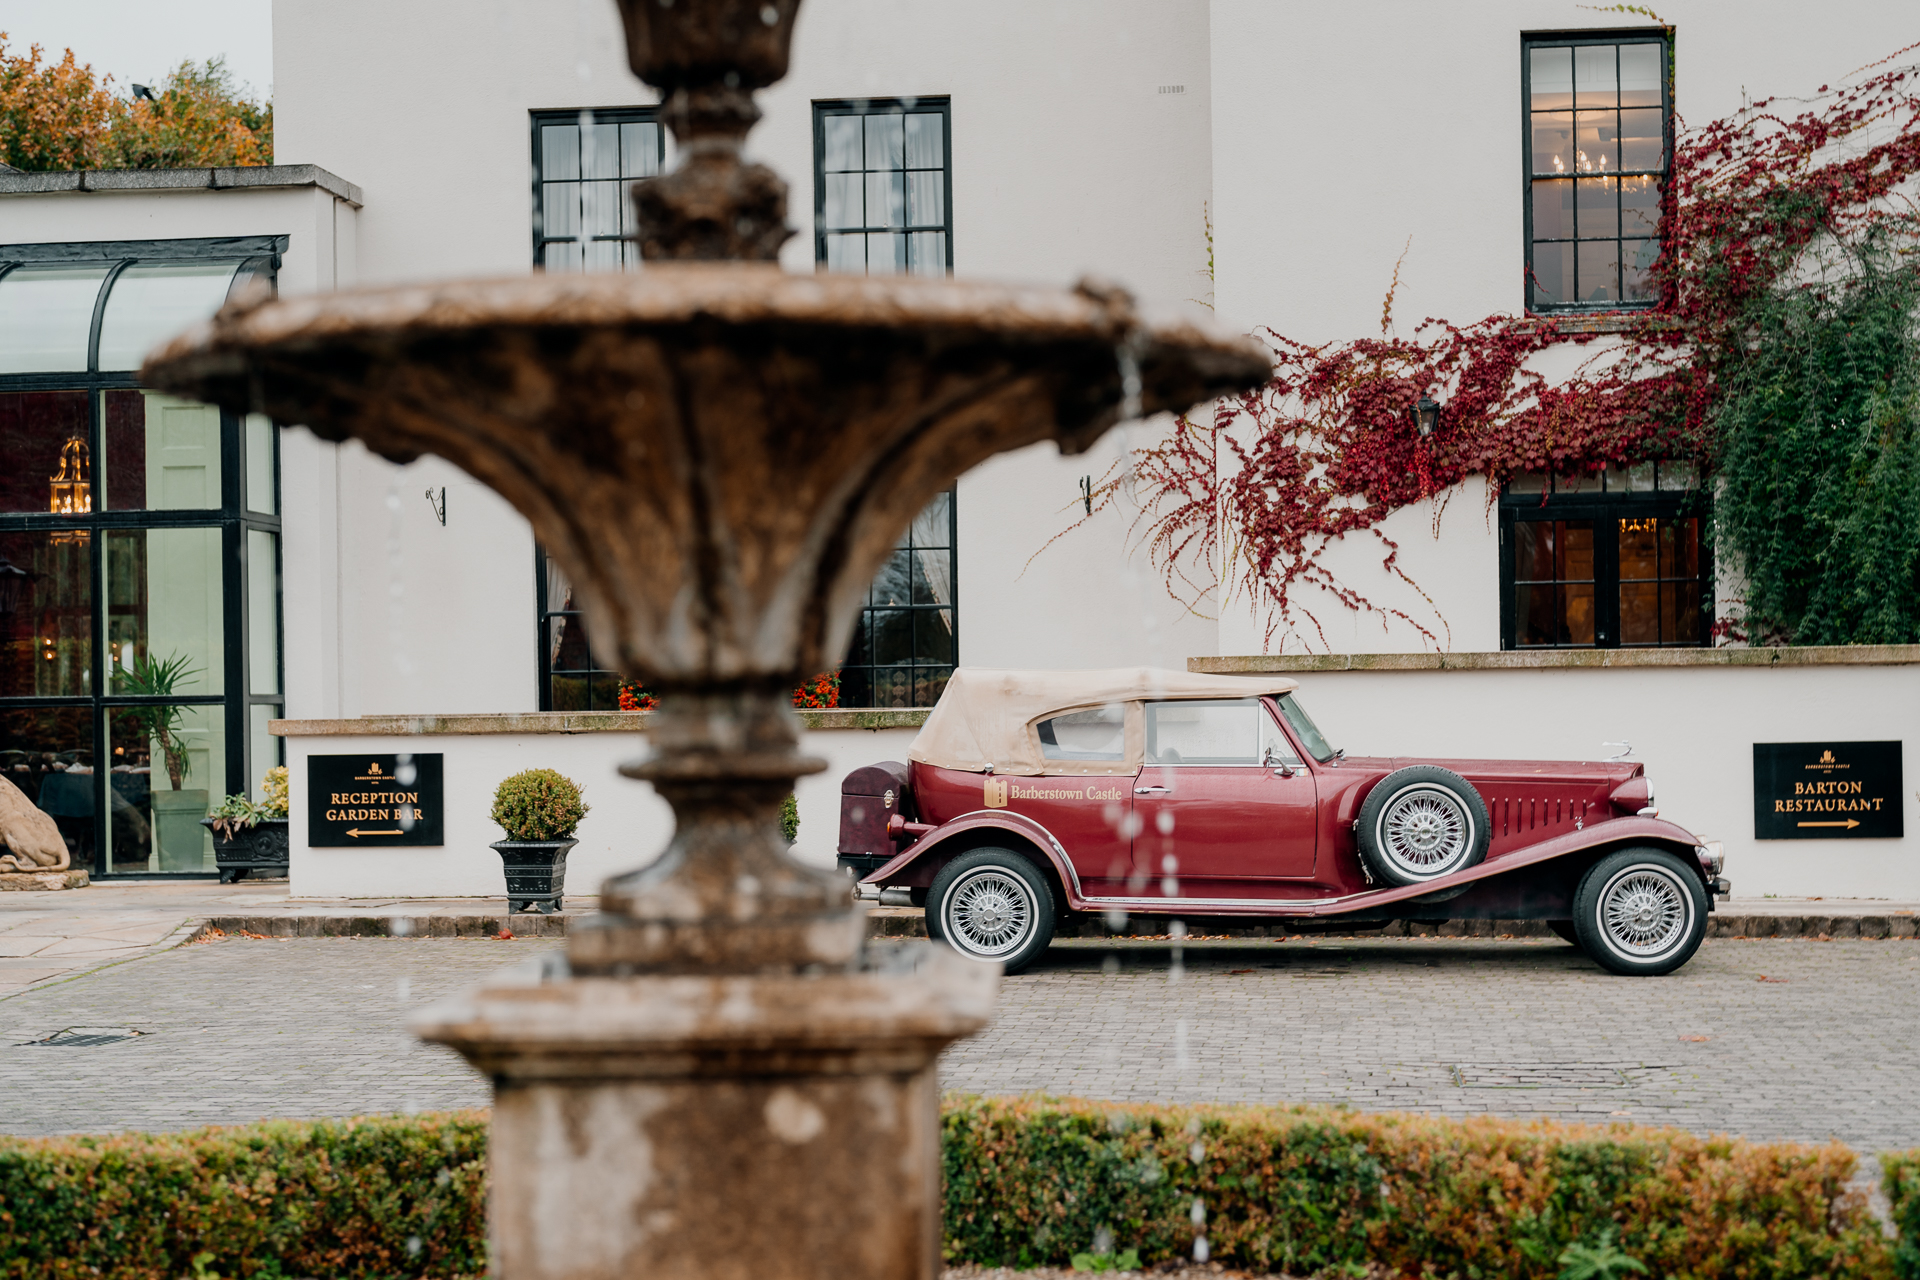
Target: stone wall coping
(237, 179)
(565, 722)
(1849, 655)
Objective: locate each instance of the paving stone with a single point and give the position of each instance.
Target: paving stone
(1464, 1026)
(244, 1030)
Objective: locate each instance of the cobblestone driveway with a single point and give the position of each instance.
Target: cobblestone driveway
(1472, 1026)
(242, 1030)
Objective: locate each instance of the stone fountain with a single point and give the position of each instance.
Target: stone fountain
(720, 455)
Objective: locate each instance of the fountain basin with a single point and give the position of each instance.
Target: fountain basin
(719, 455)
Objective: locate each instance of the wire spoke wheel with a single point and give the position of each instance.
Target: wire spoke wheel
(1644, 911)
(1425, 832)
(989, 913)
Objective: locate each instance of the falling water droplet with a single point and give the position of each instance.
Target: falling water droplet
(1199, 1248)
(1199, 1211)
(399, 926)
(1116, 919)
(403, 990)
(1180, 1058)
(1110, 966)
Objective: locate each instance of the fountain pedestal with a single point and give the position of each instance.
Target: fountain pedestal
(749, 1127)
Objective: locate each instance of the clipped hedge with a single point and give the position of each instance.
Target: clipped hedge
(393, 1196)
(1901, 1181)
(1030, 1180)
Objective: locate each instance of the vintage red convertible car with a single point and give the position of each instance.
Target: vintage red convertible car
(1033, 796)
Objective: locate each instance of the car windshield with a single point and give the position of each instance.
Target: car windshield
(1304, 729)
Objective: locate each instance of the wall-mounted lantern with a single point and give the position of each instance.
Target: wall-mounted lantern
(1426, 415)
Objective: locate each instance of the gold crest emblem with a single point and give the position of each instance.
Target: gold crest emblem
(996, 793)
(1826, 757)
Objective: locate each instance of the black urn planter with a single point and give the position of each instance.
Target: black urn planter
(257, 851)
(536, 873)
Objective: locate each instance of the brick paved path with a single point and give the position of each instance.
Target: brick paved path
(1471, 1026)
(242, 1030)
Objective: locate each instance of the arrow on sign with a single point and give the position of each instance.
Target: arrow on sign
(1849, 824)
(355, 831)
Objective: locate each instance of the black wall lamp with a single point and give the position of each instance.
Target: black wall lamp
(1426, 415)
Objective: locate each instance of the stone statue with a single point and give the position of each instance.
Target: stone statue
(28, 834)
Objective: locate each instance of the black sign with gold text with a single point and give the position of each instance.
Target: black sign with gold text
(1827, 791)
(371, 801)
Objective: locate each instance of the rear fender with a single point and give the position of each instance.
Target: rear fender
(916, 866)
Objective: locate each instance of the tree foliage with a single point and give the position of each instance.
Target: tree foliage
(60, 116)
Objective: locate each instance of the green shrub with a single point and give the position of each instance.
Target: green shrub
(1030, 1181)
(790, 818)
(538, 804)
(1901, 1180)
(400, 1195)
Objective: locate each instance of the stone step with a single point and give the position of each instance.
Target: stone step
(910, 922)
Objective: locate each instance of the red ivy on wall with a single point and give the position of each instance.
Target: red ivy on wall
(1329, 448)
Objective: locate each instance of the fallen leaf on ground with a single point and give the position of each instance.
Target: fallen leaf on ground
(1696, 1039)
(1765, 978)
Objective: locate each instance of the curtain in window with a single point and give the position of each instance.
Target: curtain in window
(930, 528)
(559, 599)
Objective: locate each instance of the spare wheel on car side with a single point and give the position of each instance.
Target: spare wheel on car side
(992, 904)
(1421, 823)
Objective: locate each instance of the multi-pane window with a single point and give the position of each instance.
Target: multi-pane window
(583, 164)
(140, 654)
(1608, 560)
(882, 198)
(906, 641)
(1596, 144)
(883, 205)
(570, 678)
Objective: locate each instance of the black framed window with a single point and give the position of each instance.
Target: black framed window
(1616, 559)
(140, 627)
(883, 186)
(570, 678)
(907, 640)
(1596, 146)
(583, 164)
(883, 205)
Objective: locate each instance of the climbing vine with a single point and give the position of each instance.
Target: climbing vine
(1780, 359)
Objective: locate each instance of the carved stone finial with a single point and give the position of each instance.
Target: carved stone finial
(707, 57)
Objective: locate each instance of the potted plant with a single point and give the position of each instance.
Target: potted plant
(180, 843)
(249, 838)
(539, 810)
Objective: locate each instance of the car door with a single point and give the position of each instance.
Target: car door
(1223, 807)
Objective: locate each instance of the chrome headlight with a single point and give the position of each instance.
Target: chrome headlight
(1712, 855)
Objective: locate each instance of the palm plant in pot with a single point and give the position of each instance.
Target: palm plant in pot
(249, 838)
(539, 810)
(179, 842)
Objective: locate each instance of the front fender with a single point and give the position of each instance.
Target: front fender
(916, 865)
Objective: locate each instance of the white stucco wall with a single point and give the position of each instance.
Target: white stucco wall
(629, 825)
(1067, 161)
(1694, 728)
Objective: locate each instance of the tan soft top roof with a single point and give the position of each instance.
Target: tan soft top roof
(985, 717)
